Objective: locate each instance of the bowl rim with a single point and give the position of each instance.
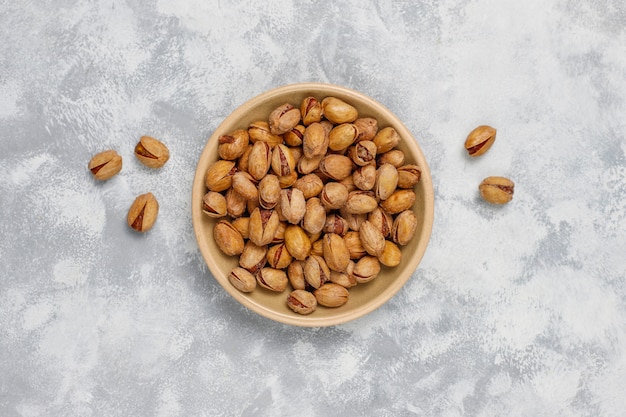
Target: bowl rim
(199, 188)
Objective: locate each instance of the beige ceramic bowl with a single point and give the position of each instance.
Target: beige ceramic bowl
(364, 298)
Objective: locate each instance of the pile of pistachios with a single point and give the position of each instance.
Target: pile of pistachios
(314, 198)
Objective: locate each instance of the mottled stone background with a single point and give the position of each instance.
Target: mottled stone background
(514, 311)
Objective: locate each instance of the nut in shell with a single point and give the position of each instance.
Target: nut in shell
(151, 152)
(331, 295)
(479, 140)
(241, 279)
(311, 110)
(403, 228)
(386, 139)
(408, 176)
(336, 252)
(214, 204)
(105, 165)
(301, 301)
(297, 242)
(367, 128)
(372, 238)
(366, 269)
(143, 212)
(399, 201)
(219, 176)
(295, 274)
(259, 160)
(253, 257)
(283, 119)
(269, 191)
(316, 271)
(227, 238)
(272, 279)
(391, 255)
(338, 111)
(497, 190)
(233, 145)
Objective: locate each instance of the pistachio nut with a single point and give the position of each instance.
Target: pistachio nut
(259, 160)
(338, 111)
(283, 118)
(315, 216)
(297, 242)
(352, 240)
(342, 278)
(236, 204)
(366, 269)
(227, 238)
(251, 205)
(334, 195)
(386, 181)
(316, 271)
(288, 180)
(242, 162)
(297, 153)
(233, 145)
(386, 139)
(317, 248)
(331, 295)
(349, 182)
(391, 255)
(283, 162)
(308, 165)
(381, 220)
(408, 176)
(336, 253)
(242, 224)
(394, 157)
(272, 279)
(311, 185)
(336, 224)
(143, 212)
(279, 236)
(241, 279)
(336, 166)
(363, 152)
(214, 204)
(263, 226)
(400, 200)
(278, 256)
(314, 141)
(404, 226)
(367, 128)
(219, 176)
(292, 205)
(301, 301)
(253, 257)
(354, 220)
(342, 136)
(294, 136)
(105, 165)
(244, 184)
(360, 202)
(311, 110)
(496, 190)
(259, 131)
(269, 191)
(151, 152)
(372, 239)
(480, 140)
(365, 177)
(295, 274)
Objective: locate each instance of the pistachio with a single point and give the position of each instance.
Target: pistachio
(244, 184)
(349, 182)
(367, 128)
(251, 205)
(269, 191)
(289, 180)
(278, 256)
(336, 224)
(295, 274)
(311, 110)
(342, 136)
(233, 145)
(259, 160)
(241, 279)
(297, 153)
(336, 253)
(297, 242)
(279, 236)
(272, 279)
(314, 216)
(354, 220)
(342, 278)
(365, 177)
(294, 136)
(227, 238)
(292, 205)
(394, 157)
(242, 224)
(331, 295)
(143, 212)
(360, 202)
(386, 139)
(403, 228)
(311, 185)
(399, 201)
(242, 162)
(259, 131)
(338, 111)
(316, 271)
(391, 255)
(282, 162)
(263, 226)
(283, 119)
(253, 257)
(317, 248)
(151, 152)
(352, 240)
(336, 166)
(408, 176)
(105, 165)
(214, 204)
(372, 239)
(366, 269)
(480, 140)
(219, 176)
(496, 190)
(315, 140)
(302, 302)
(386, 181)
(236, 204)
(308, 165)
(334, 195)
(381, 220)
(363, 152)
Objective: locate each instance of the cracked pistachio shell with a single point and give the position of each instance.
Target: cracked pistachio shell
(151, 152)
(367, 127)
(105, 165)
(263, 226)
(386, 181)
(233, 145)
(236, 204)
(227, 238)
(352, 240)
(336, 166)
(349, 182)
(342, 278)
(496, 190)
(334, 195)
(295, 274)
(331, 295)
(292, 205)
(336, 253)
(287, 181)
(259, 131)
(394, 157)
(403, 228)
(279, 236)
(219, 175)
(400, 200)
(259, 160)
(301, 301)
(363, 153)
(311, 185)
(317, 248)
(315, 216)
(242, 224)
(336, 224)
(480, 140)
(314, 141)
(372, 239)
(253, 257)
(381, 220)
(272, 279)
(143, 212)
(391, 255)
(244, 184)
(342, 136)
(408, 176)
(283, 162)
(241, 279)
(365, 177)
(269, 191)
(366, 269)
(316, 271)
(360, 202)
(294, 137)
(308, 165)
(338, 111)
(354, 220)
(214, 204)
(242, 162)
(283, 118)
(278, 256)
(386, 139)
(297, 242)
(311, 110)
